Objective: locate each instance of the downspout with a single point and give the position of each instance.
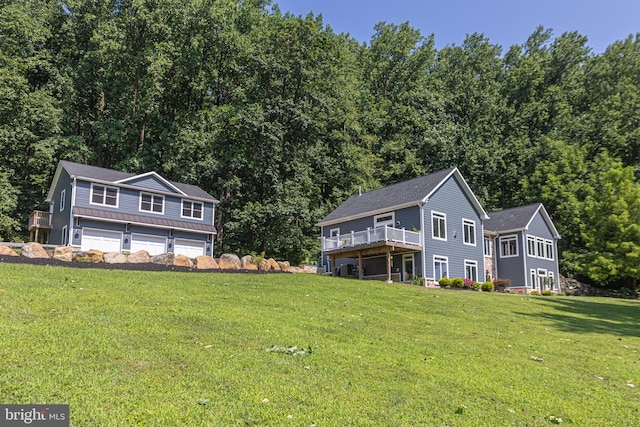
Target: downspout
(557, 257)
(423, 243)
(71, 205)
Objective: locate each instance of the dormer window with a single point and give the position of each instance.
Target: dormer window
(103, 195)
(191, 209)
(151, 203)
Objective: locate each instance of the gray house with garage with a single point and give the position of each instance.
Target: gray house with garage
(428, 227)
(521, 245)
(113, 211)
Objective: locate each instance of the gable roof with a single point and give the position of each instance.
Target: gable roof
(95, 173)
(518, 219)
(396, 196)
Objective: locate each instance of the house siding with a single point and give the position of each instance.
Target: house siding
(409, 218)
(129, 202)
(538, 228)
(151, 183)
(451, 200)
(512, 268)
(60, 219)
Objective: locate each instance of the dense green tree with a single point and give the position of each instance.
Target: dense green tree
(611, 253)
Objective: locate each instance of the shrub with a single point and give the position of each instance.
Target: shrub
(547, 292)
(476, 286)
(534, 293)
(568, 293)
(417, 281)
(457, 282)
(487, 287)
(501, 284)
(444, 282)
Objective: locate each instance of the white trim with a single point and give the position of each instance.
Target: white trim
(472, 223)
(104, 195)
(531, 250)
(391, 222)
(65, 236)
(441, 216)
(413, 267)
(442, 260)
(488, 239)
(334, 232)
(533, 278)
(548, 250)
(192, 203)
(151, 173)
(509, 237)
(153, 196)
(63, 194)
(470, 263)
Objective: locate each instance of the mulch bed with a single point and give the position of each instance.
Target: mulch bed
(135, 267)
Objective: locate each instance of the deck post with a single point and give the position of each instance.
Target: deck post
(333, 265)
(388, 265)
(360, 272)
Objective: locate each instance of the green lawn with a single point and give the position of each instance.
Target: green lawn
(190, 349)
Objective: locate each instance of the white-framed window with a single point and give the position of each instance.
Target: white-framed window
(152, 203)
(542, 279)
(532, 276)
(469, 232)
(487, 247)
(531, 246)
(384, 219)
(191, 209)
(471, 270)
(65, 236)
(508, 246)
(440, 267)
(103, 195)
(334, 232)
(548, 253)
(63, 194)
(439, 225)
(540, 247)
(551, 279)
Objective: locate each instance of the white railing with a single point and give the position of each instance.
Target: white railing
(371, 235)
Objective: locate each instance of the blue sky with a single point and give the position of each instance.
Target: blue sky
(504, 22)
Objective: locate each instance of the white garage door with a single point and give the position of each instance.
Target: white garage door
(153, 244)
(190, 248)
(105, 241)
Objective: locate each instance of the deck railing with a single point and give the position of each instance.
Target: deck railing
(371, 235)
(39, 219)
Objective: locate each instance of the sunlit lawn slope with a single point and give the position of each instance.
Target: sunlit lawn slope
(190, 349)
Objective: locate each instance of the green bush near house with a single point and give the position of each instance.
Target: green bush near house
(547, 292)
(487, 287)
(214, 349)
(534, 293)
(457, 282)
(444, 282)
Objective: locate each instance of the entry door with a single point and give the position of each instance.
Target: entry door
(407, 267)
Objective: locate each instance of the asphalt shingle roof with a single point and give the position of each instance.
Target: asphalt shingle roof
(110, 175)
(406, 192)
(511, 219)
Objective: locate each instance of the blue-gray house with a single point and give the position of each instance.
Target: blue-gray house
(521, 244)
(97, 208)
(429, 227)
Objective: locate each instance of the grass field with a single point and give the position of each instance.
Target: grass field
(190, 349)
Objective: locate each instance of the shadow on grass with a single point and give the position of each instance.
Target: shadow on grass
(593, 316)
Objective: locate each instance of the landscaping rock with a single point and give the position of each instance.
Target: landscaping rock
(115, 258)
(6, 250)
(274, 264)
(164, 259)
(63, 253)
(264, 265)
(284, 265)
(138, 257)
(182, 261)
(92, 255)
(229, 262)
(205, 262)
(34, 250)
(246, 263)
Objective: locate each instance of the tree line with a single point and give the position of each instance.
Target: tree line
(281, 119)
